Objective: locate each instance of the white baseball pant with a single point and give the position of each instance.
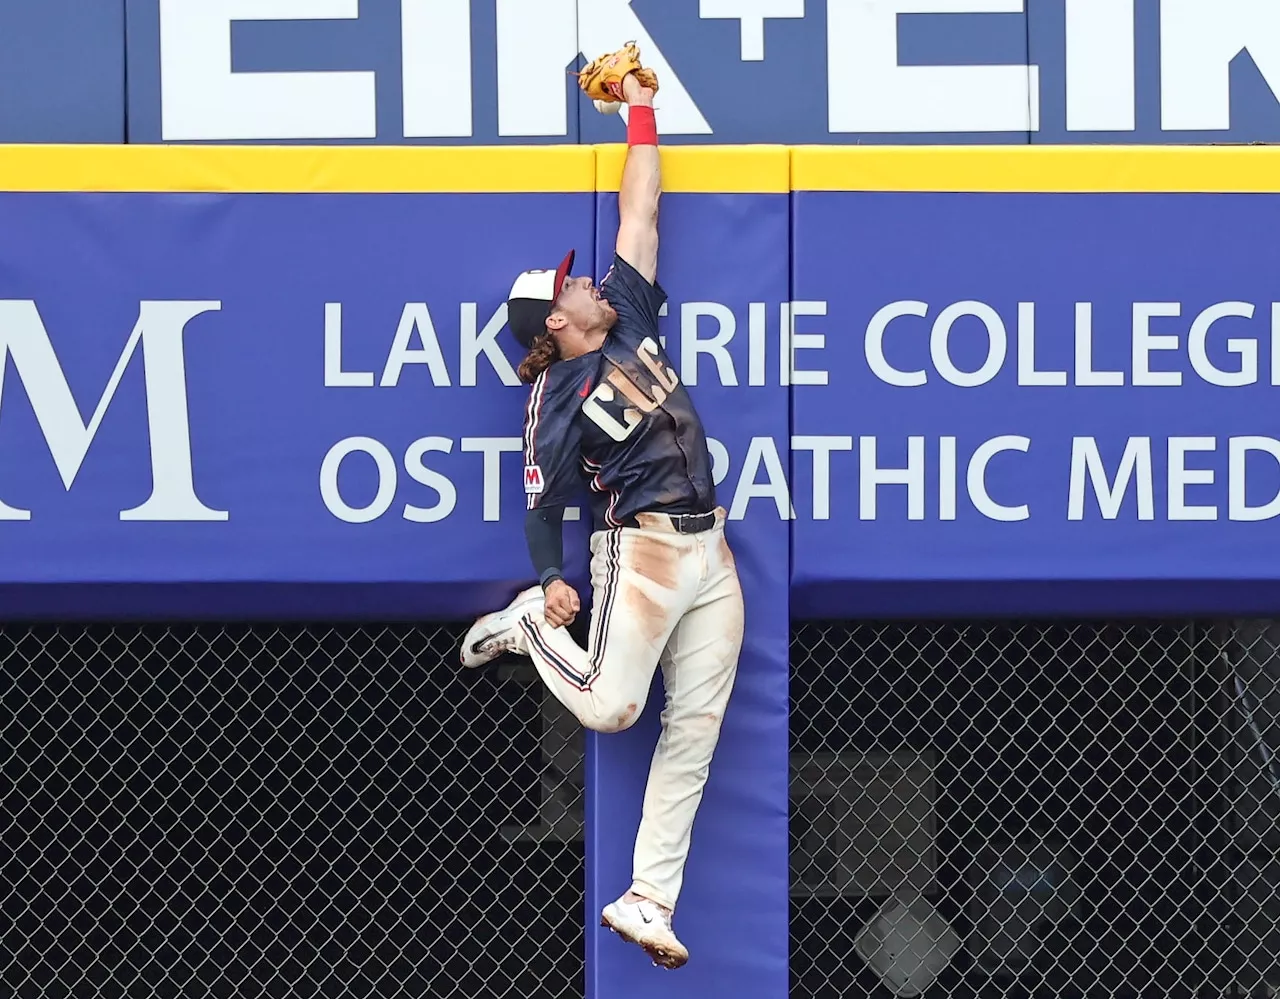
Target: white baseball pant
(665, 598)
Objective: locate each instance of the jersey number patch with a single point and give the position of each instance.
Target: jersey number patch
(636, 404)
(533, 479)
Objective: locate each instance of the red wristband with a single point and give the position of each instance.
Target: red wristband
(642, 130)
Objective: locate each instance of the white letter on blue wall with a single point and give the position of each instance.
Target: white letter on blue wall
(869, 92)
(536, 42)
(1237, 499)
(1100, 66)
(201, 98)
(1198, 41)
(977, 478)
(750, 15)
(435, 51)
(159, 334)
(1135, 465)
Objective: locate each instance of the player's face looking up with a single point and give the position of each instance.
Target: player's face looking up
(581, 317)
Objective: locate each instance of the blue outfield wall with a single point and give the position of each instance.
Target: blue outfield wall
(1050, 383)
(275, 383)
(826, 71)
(344, 422)
(495, 72)
(62, 71)
(257, 383)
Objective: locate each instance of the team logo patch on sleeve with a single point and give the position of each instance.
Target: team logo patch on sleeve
(532, 479)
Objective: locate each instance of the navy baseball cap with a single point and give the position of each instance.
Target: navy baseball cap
(531, 298)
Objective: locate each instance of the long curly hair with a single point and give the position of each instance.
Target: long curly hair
(542, 352)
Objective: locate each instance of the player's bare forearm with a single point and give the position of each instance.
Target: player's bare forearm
(638, 195)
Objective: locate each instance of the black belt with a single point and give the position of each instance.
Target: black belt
(684, 523)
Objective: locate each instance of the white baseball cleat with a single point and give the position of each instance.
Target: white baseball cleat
(496, 633)
(647, 925)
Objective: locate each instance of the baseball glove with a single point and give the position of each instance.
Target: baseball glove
(601, 79)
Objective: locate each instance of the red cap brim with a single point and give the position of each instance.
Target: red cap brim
(562, 272)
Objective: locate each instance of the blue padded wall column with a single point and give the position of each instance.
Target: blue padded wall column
(721, 254)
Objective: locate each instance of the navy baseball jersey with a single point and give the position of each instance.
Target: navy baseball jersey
(618, 419)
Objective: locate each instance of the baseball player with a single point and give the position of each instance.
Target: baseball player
(607, 412)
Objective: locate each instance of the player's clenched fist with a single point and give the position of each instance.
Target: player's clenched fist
(561, 605)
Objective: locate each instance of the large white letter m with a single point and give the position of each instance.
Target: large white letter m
(159, 331)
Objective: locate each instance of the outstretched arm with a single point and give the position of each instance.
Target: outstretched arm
(641, 183)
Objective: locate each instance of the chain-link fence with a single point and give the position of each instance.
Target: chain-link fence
(262, 812)
(1019, 809)
(1055, 810)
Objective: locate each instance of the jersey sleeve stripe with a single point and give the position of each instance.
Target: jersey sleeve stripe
(532, 415)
